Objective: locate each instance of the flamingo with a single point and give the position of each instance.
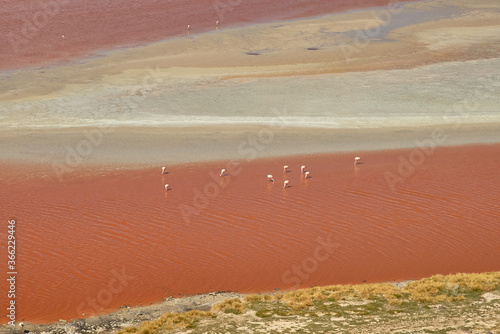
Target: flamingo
(285, 184)
(63, 37)
(307, 175)
(217, 25)
(222, 172)
(166, 187)
(270, 178)
(356, 160)
(163, 170)
(285, 168)
(188, 27)
(302, 169)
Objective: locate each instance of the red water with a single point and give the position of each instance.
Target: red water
(32, 30)
(118, 238)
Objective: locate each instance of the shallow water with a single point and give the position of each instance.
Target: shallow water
(96, 242)
(34, 29)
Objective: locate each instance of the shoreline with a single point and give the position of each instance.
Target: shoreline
(114, 34)
(148, 147)
(110, 50)
(104, 168)
(124, 78)
(127, 316)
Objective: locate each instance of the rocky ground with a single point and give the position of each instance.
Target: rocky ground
(127, 316)
(367, 316)
(476, 317)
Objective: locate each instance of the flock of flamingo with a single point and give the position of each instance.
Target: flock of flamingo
(270, 177)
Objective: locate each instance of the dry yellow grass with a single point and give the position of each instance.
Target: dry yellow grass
(168, 321)
(437, 288)
(441, 288)
(258, 298)
(299, 298)
(434, 289)
(477, 282)
(385, 290)
(306, 297)
(234, 305)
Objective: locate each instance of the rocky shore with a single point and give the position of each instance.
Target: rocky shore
(461, 303)
(127, 316)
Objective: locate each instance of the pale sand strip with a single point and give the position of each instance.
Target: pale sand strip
(147, 147)
(419, 97)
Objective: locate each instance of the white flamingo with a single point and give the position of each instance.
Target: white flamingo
(163, 170)
(285, 184)
(222, 172)
(270, 178)
(302, 169)
(356, 160)
(285, 168)
(166, 186)
(307, 174)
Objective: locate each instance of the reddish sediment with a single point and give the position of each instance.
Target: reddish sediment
(33, 30)
(100, 240)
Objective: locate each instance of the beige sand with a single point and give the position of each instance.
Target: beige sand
(147, 147)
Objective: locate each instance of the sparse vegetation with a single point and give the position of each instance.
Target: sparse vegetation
(441, 288)
(461, 303)
(258, 298)
(234, 305)
(168, 321)
(360, 306)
